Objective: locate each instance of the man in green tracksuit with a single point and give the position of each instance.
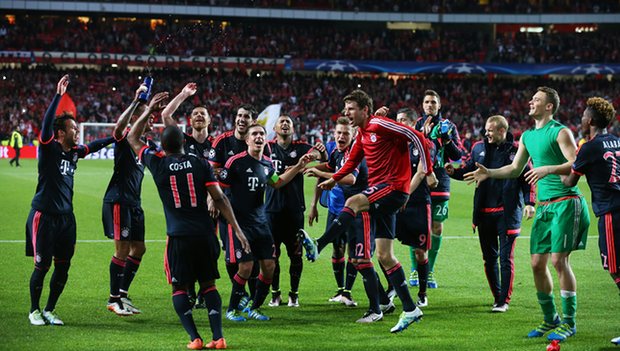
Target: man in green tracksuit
(562, 218)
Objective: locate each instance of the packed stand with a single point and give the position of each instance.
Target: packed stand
(245, 39)
(283, 39)
(533, 48)
(313, 101)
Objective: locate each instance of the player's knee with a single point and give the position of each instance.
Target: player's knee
(122, 250)
(361, 263)
(245, 269)
(437, 228)
(137, 249)
(208, 285)
(61, 267)
(177, 288)
(357, 203)
(421, 255)
(42, 266)
(560, 263)
(386, 259)
(268, 266)
(538, 265)
(297, 261)
(338, 251)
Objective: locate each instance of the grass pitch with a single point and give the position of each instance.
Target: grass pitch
(458, 316)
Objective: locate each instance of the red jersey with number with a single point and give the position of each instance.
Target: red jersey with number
(384, 144)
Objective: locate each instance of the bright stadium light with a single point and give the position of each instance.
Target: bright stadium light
(113, 88)
(531, 29)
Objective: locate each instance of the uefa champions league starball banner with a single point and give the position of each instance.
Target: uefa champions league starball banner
(293, 64)
(412, 67)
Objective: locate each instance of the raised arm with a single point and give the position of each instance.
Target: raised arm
(47, 129)
(453, 147)
(123, 120)
(188, 90)
(138, 128)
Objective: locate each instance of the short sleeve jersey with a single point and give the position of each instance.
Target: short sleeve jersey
(246, 179)
(56, 167)
(544, 150)
(290, 196)
(182, 182)
(193, 147)
(224, 147)
(598, 160)
(126, 183)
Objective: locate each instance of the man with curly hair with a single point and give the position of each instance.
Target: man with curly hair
(598, 159)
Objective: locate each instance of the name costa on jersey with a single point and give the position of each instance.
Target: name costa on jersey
(178, 166)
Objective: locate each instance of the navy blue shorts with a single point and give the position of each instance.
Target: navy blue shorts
(284, 227)
(122, 222)
(261, 244)
(609, 240)
(384, 202)
(361, 237)
(342, 239)
(413, 226)
(50, 236)
(191, 258)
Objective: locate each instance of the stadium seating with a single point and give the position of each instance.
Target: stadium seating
(311, 99)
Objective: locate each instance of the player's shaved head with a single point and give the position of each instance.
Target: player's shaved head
(172, 140)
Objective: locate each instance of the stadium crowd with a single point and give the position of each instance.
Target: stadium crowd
(555, 48)
(312, 100)
(436, 6)
(254, 39)
(279, 39)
